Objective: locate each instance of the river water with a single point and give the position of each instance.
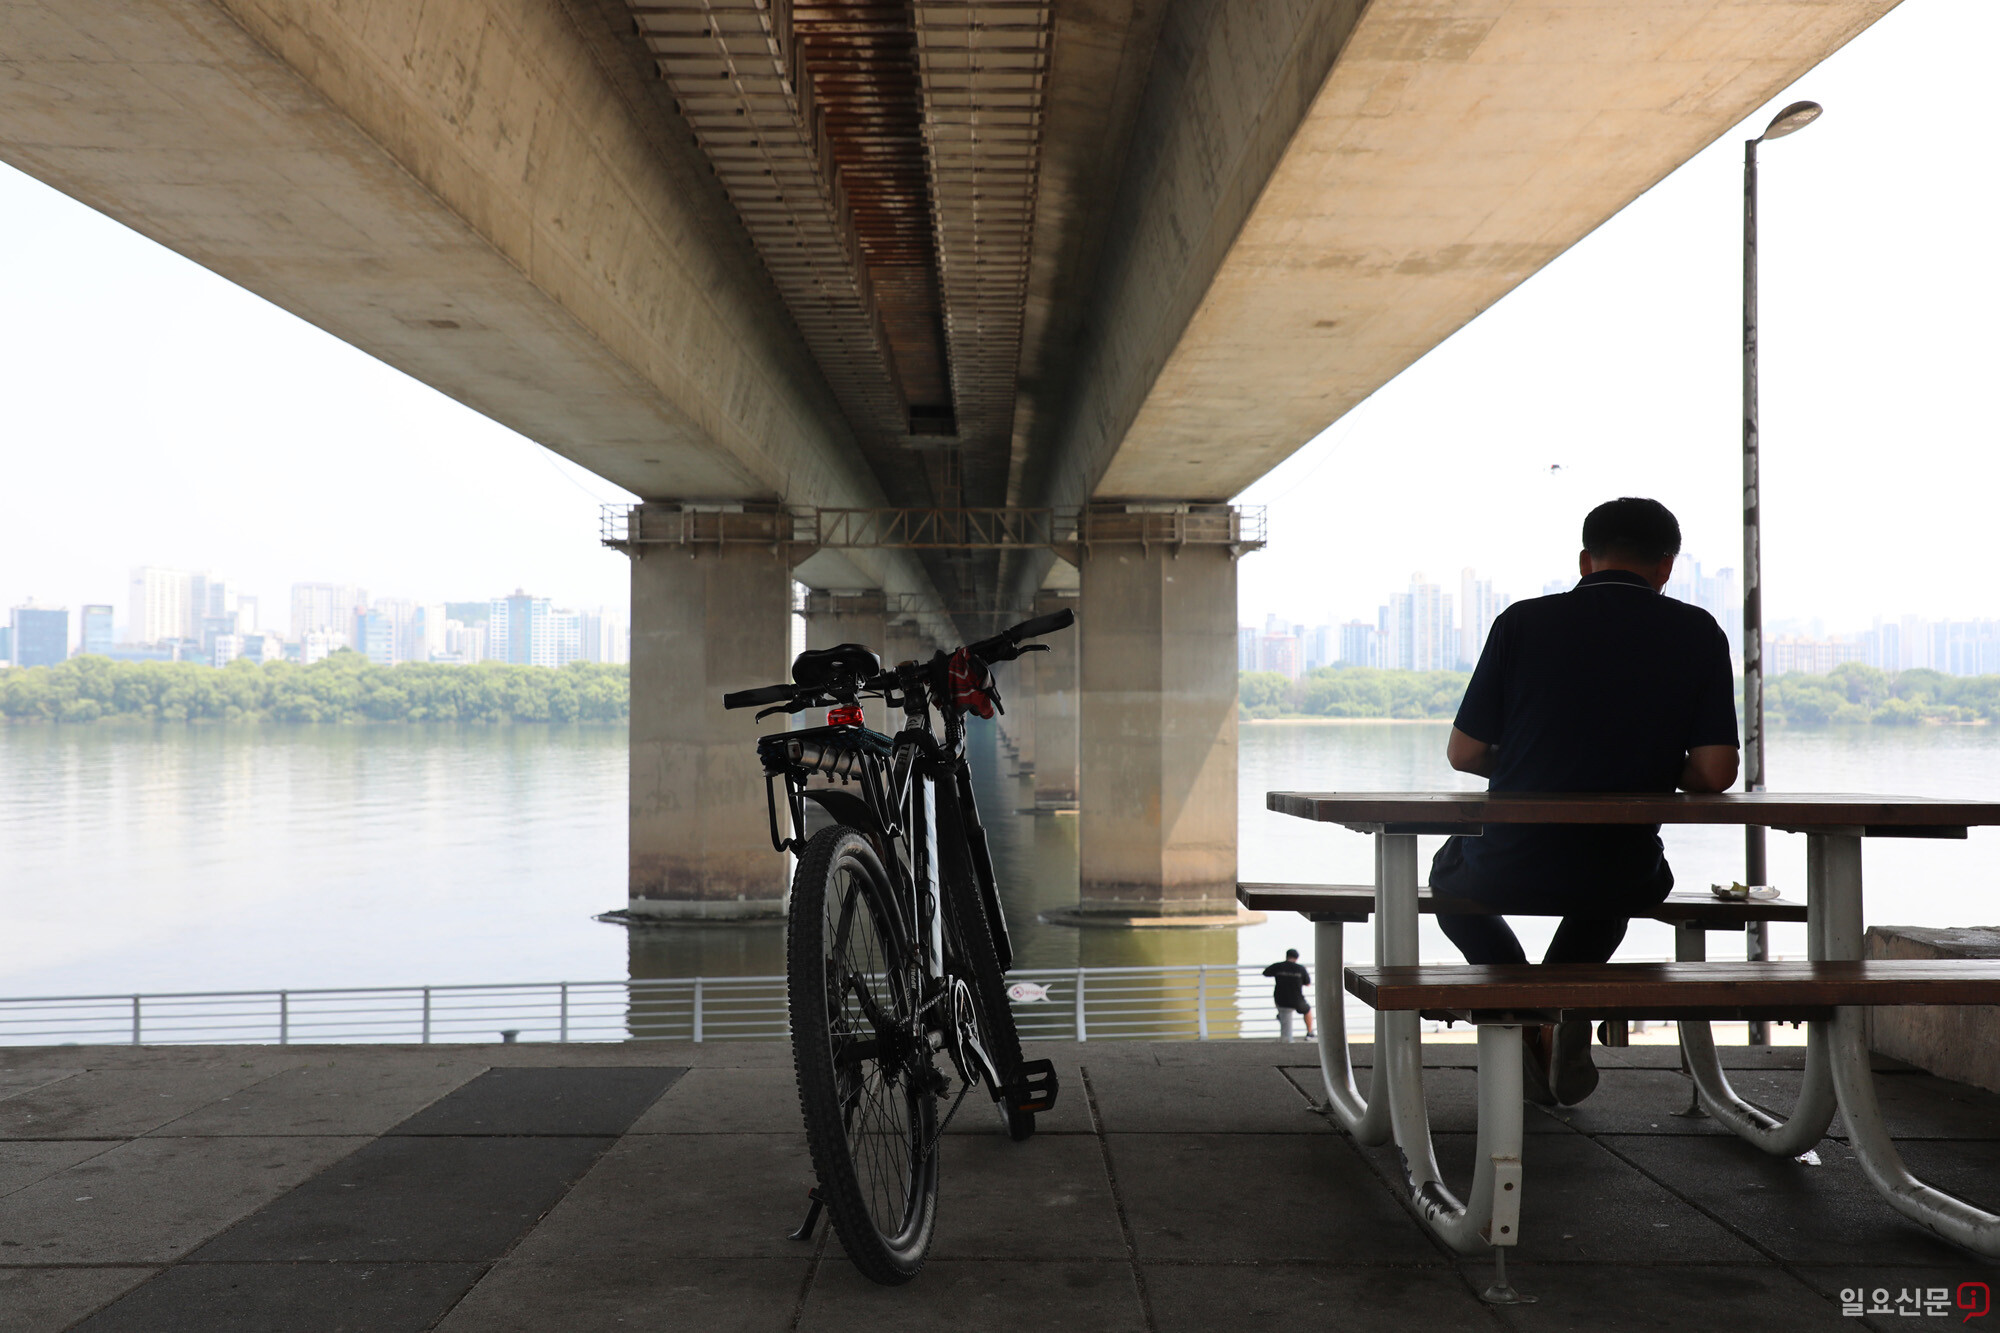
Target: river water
(201, 858)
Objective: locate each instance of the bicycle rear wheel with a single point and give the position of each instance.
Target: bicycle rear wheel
(863, 1068)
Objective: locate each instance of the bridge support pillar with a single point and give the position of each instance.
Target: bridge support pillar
(1055, 710)
(707, 617)
(851, 617)
(1157, 748)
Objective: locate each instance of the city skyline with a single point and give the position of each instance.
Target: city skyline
(187, 615)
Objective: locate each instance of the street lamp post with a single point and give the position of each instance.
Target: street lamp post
(1755, 870)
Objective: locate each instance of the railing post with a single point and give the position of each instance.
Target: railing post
(697, 1008)
(284, 1018)
(135, 1020)
(1082, 1033)
(564, 1034)
(427, 1015)
(1201, 1002)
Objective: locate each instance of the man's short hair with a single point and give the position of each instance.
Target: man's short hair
(1291, 953)
(1632, 528)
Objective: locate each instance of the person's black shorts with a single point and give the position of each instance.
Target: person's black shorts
(1302, 1007)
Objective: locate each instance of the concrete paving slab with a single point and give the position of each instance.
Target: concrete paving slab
(569, 1102)
(1633, 1101)
(726, 1101)
(294, 1298)
(14, 1082)
(1581, 1202)
(1813, 1214)
(153, 1200)
(1450, 1095)
(1914, 1106)
(970, 1296)
(1152, 1099)
(618, 1296)
(346, 1095)
(1202, 1298)
(24, 1163)
(44, 1300)
(682, 1196)
(1252, 1197)
(427, 1199)
(1672, 1298)
(123, 1103)
(1047, 1198)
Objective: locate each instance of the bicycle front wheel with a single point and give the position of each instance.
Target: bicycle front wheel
(863, 1066)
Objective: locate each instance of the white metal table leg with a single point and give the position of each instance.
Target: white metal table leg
(1813, 1111)
(1836, 896)
(1367, 1119)
(1484, 1220)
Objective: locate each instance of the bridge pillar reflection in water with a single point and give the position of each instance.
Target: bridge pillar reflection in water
(1157, 742)
(707, 617)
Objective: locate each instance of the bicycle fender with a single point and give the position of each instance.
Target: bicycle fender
(847, 808)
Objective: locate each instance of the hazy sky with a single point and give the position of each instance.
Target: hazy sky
(1619, 361)
(151, 412)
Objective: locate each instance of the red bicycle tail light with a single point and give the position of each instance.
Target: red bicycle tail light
(846, 715)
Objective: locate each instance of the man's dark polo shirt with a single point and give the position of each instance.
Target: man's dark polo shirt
(1602, 688)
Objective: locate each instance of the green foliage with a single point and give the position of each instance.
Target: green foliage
(1363, 692)
(346, 687)
(1851, 693)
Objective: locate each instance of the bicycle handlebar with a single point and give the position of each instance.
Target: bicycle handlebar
(1002, 647)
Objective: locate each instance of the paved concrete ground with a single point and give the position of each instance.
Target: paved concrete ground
(1177, 1187)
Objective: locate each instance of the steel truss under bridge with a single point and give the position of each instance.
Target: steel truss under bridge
(1068, 530)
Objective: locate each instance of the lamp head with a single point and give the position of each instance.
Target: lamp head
(1792, 119)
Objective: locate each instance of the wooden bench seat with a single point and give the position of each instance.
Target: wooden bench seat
(1720, 990)
(1356, 902)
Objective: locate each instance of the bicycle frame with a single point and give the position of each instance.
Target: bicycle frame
(900, 780)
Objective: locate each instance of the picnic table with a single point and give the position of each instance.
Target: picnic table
(1831, 991)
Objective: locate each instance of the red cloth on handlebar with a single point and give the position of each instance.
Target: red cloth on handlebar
(970, 684)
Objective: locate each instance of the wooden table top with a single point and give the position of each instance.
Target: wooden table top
(1469, 811)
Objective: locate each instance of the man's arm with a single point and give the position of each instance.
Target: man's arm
(1467, 755)
(1708, 768)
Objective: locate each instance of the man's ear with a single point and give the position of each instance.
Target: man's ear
(1663, 573)
(1583, 568)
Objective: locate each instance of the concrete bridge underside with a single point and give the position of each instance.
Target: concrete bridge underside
(914, 254)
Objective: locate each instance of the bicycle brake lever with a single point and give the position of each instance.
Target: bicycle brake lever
(1034, 647)
(777, 708)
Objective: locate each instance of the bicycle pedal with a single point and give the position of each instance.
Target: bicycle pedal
(1036, 1088)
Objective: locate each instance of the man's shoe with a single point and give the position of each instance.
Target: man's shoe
(1572, 1073)
(1535, 1044)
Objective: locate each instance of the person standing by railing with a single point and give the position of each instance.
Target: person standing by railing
(1288, 992)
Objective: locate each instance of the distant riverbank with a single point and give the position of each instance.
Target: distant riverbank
(1850, 694)
(344, 688)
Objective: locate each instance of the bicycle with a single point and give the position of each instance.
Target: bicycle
(896, 946)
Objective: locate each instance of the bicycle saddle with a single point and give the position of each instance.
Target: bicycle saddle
(820, 667)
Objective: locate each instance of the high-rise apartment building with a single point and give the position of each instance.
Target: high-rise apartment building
(162, 605)
(1360, 644)
(521, 630)
(40, 635)
(326, 608)
(1246, 647)
(1478, 604)
(97, 635)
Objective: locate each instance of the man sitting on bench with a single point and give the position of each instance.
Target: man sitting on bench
(1608, 687)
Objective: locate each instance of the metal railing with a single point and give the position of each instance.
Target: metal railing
(1217, 1001)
